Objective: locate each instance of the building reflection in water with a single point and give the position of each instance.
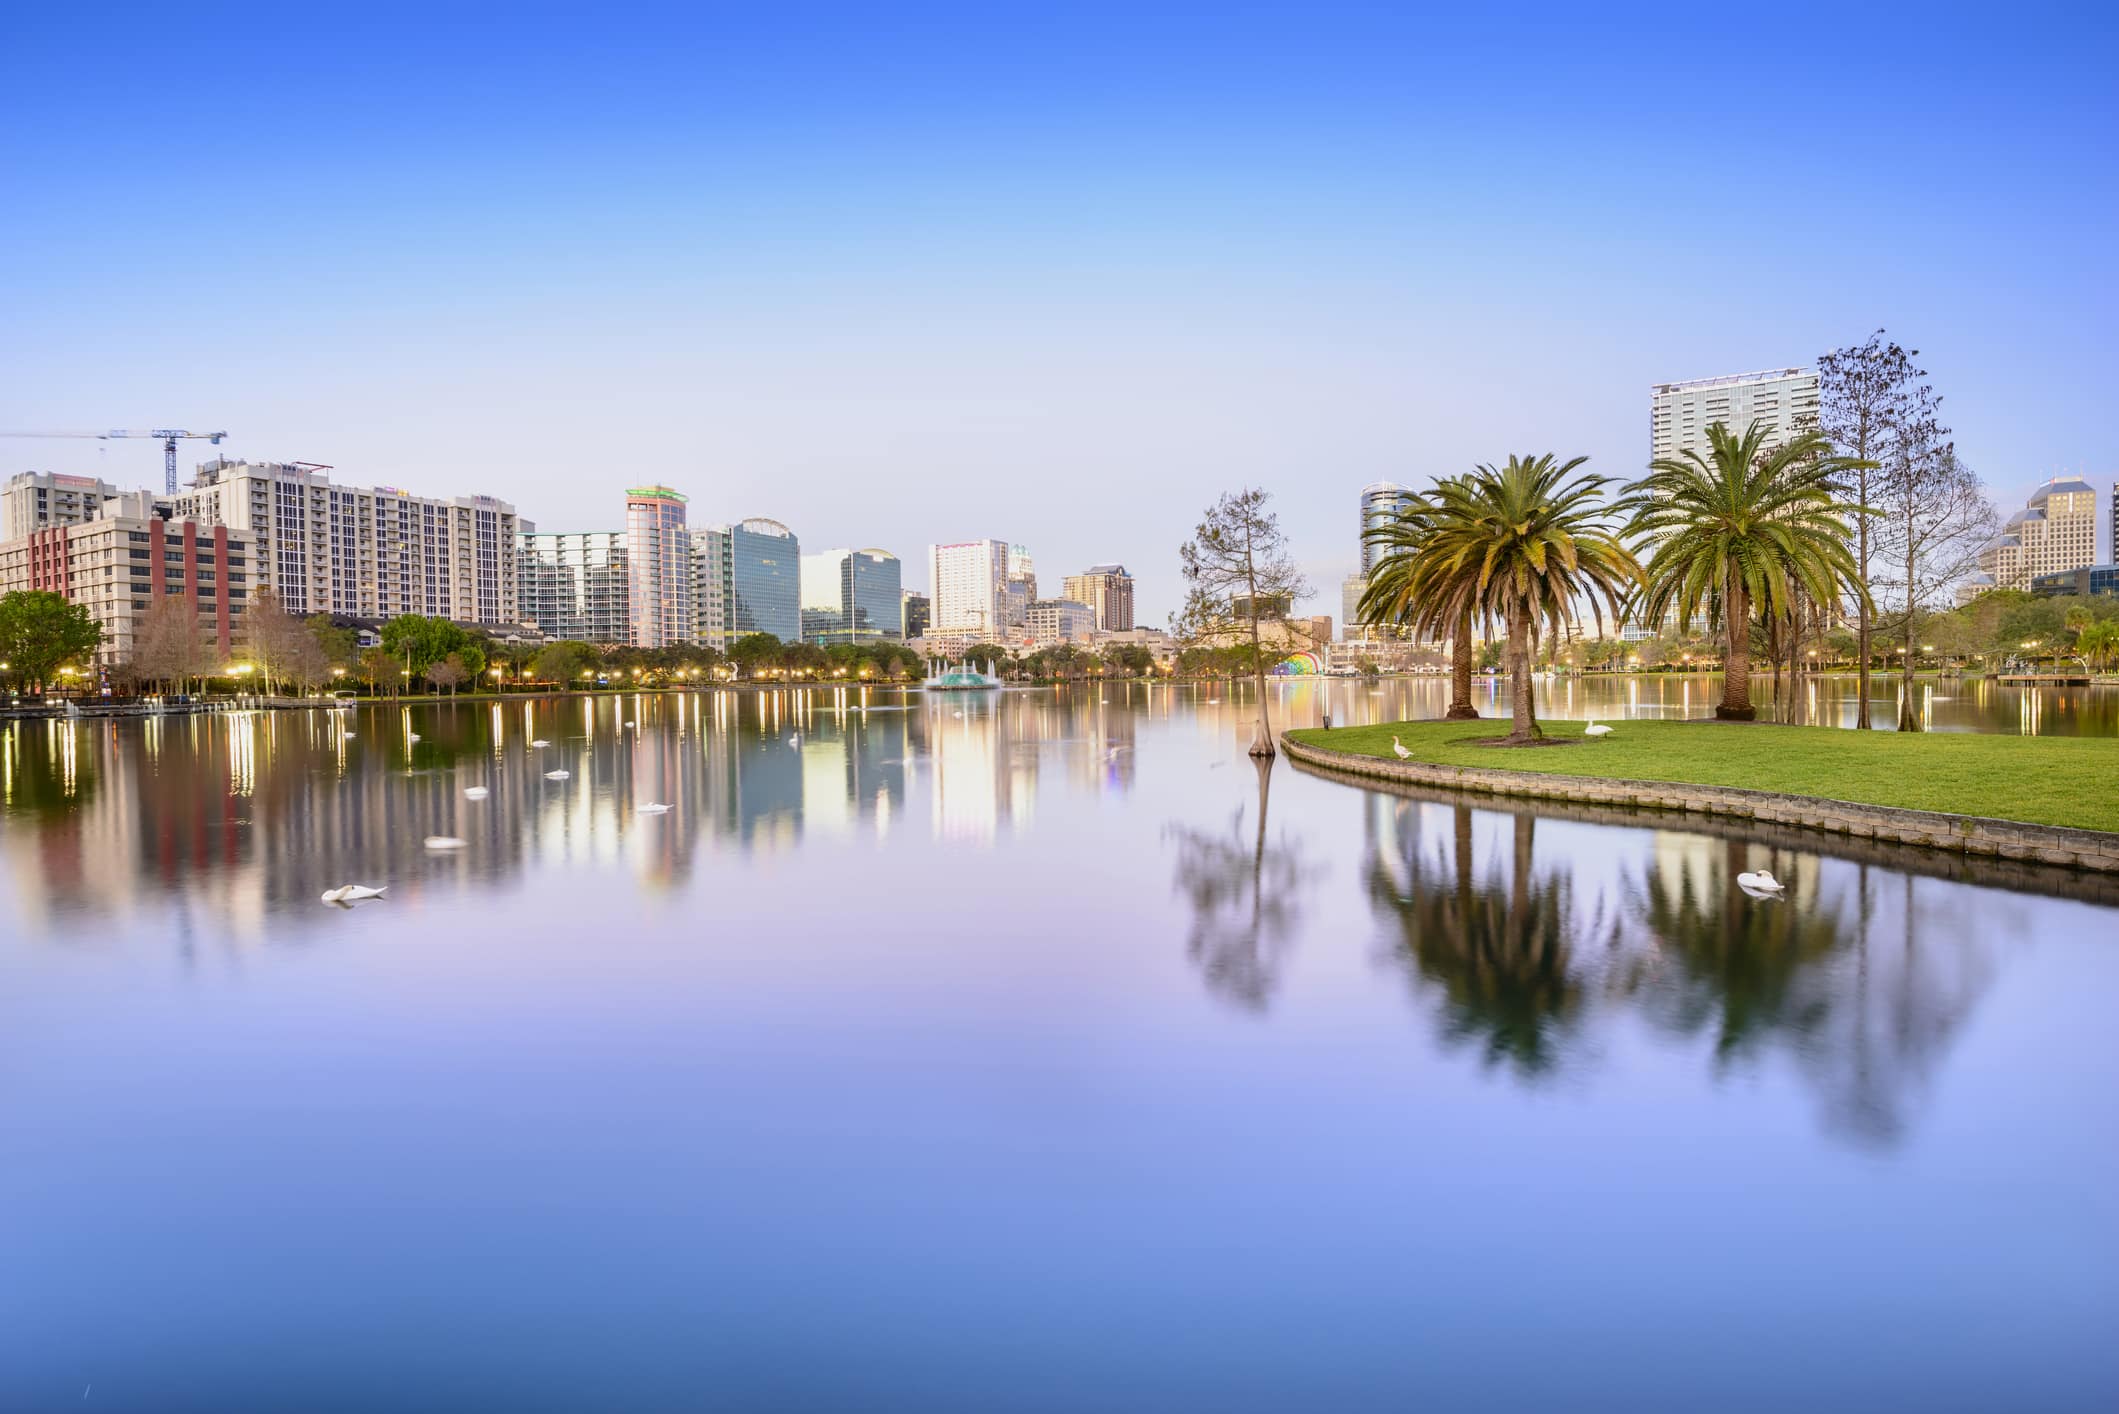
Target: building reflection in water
(1530, 959)
(245, 815)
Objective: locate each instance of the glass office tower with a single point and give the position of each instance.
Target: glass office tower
(762, 580)
(851, 596)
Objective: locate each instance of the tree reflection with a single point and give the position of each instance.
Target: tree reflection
(1500, 947)
(1740, 967)
(1841, 979)
(1245, 897)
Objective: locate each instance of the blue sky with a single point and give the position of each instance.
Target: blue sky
(913, 273)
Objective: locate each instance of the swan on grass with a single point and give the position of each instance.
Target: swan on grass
(1596, 729)
(1398, 749)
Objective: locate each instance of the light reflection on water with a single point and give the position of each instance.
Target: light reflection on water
(1033, 1050)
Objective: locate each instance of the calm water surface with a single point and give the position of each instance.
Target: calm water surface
(1020, 1052)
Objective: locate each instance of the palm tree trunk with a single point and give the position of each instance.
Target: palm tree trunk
(1460, 673)
(1525, 718)
(1736, 656)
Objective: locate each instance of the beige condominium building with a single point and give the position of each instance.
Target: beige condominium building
(2055, 532)
(367, 552)
(123, 556)
(1108, 589)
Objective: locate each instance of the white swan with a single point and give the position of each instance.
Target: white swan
(629, 724)
(796, 739)
(443, 842)
(1760, 882)
(349, 732)
(1596, 729)
(354, 893)
(655, 808)
(1398, 748)
(557, 775)
(539, 743)
(476, 792)
(411, 736)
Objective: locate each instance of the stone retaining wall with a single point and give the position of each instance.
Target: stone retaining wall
(1961, 834)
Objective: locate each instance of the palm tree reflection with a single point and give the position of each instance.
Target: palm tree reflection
(1245, 897)
(1527, 962)
(1500, 947)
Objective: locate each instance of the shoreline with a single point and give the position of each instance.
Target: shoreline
(1974, 836)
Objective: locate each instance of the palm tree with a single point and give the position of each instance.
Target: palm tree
(1534, 539)
(1424, 592)
(1744, 527)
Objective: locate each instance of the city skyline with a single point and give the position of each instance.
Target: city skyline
(947, 256)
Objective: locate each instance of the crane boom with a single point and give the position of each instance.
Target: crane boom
(167, 436)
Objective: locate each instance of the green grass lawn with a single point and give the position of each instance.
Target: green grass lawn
(2070, 781)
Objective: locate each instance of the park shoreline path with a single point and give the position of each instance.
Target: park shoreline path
(1973, 835)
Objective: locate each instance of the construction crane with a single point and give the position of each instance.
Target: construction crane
(167, 436)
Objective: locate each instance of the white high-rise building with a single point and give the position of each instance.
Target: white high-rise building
(368, 552)
(576, 584)
(1785, 399)
(970, 582)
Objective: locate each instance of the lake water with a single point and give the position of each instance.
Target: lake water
(1023, 1051)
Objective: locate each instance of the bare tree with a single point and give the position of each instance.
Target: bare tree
(1936, 515)
(274, 637)
(447, 673)
(1239, 569)
(1866, 394)
(169, 646)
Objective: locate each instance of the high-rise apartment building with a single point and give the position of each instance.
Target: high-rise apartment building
(915, 611)
(851, 596)
(2054, 533)
(1380, 500)
(120, 560)
(658, 548)
(38, 500)
(1108, 589)
(1784, 399)
(369, 552)
(751, 575)
(710, 586)
(576, 585)
(970, 586)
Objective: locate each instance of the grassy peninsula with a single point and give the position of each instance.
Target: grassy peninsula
(2068, 781)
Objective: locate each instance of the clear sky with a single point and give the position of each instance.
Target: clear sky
(902, 273)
